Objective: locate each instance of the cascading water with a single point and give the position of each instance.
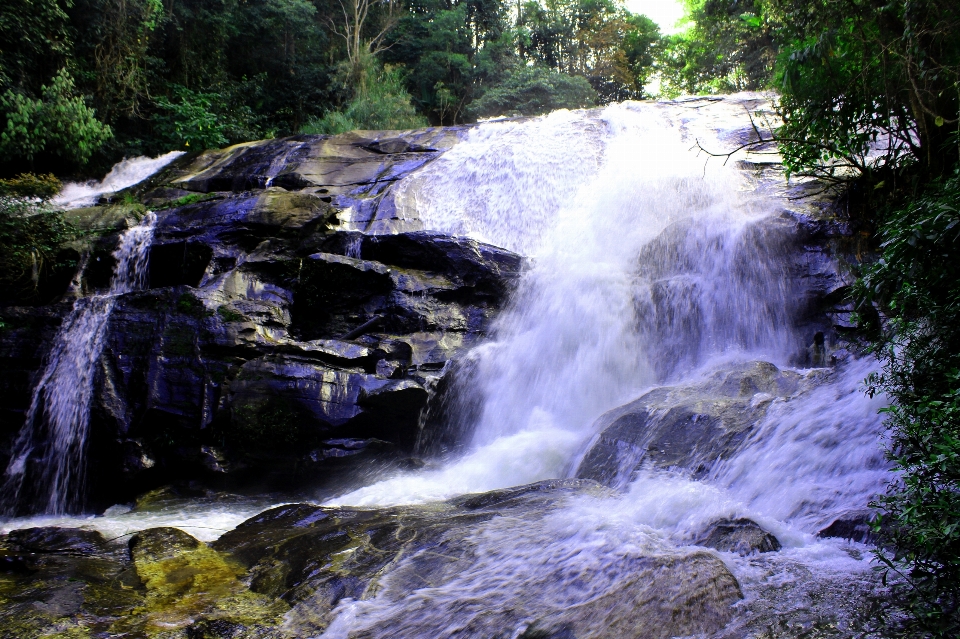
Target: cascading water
(649, 271)
(648, 267)
(124, 174)
(46, 466)
(640, 262)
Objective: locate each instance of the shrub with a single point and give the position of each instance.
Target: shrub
(533, 91)
(60, 123)
(916, 282)
(379, 102)
(28, 185)
(30, 239)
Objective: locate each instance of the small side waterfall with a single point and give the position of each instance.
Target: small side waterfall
(46, 466)
(124, 174)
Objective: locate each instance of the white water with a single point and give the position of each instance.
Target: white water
(47, 461)
(648, 268)
(641, 263)
(123, 174)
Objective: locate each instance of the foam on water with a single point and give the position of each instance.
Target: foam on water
(650, 269)
(205, 519)
(123, 174)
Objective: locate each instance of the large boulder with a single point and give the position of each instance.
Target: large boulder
(687, 427)
(292, 570)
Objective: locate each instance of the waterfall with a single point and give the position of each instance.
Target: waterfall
(646, 265)
(46, 466)
(650, 268)
(123, 174)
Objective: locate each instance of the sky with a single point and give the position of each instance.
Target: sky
(664, 12)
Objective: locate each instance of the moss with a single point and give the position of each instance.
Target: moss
(271, 426)
(132, 203)
(30, 185)
(229, 315)
(179, 340)
(190, 304)
(197, 582)
(186, 200)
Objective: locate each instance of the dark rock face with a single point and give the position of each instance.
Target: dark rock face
(854, 525)
(684, 427)
(742, 536)
(271, 345)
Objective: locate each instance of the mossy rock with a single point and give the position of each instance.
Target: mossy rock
(185, 580)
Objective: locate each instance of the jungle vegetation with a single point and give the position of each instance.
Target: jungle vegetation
(84, 83)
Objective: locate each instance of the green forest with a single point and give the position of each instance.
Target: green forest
(867, 93)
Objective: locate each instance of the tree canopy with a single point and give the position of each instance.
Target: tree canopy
(146, 76)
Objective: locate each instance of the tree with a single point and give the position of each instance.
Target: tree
(59, 123)
(534, 91)
(353, 25)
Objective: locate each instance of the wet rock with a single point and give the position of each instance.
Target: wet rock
(686, 427)
(314, 557)
(159, 544)
(184, 578)
(49, 539)
(742, 536)
(855, 525)
(267, 327)
(283, 572)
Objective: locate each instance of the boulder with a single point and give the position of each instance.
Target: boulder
(270, 325)
(285, 571)
(315, 558)
(742, 536)
(686, 427)
(854, 525)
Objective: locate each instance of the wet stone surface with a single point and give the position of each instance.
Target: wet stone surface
(267, 330)
(284, 572)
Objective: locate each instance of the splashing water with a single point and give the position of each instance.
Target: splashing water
(123, 174)
(592, 323)
(47, 460)
(648, 268)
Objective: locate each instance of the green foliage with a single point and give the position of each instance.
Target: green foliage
(200, 73)
(186, 200)
(31, 236)
(199, 121)
(36, 40)
(535, 90)
(916, 282)
(59, 123)
(380, 101)
(731, 46)
(869, 72)
(28, 185)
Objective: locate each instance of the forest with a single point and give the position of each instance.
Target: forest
(867, 94)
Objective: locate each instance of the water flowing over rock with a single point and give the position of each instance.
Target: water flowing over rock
(549, 377)
(48, 461)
